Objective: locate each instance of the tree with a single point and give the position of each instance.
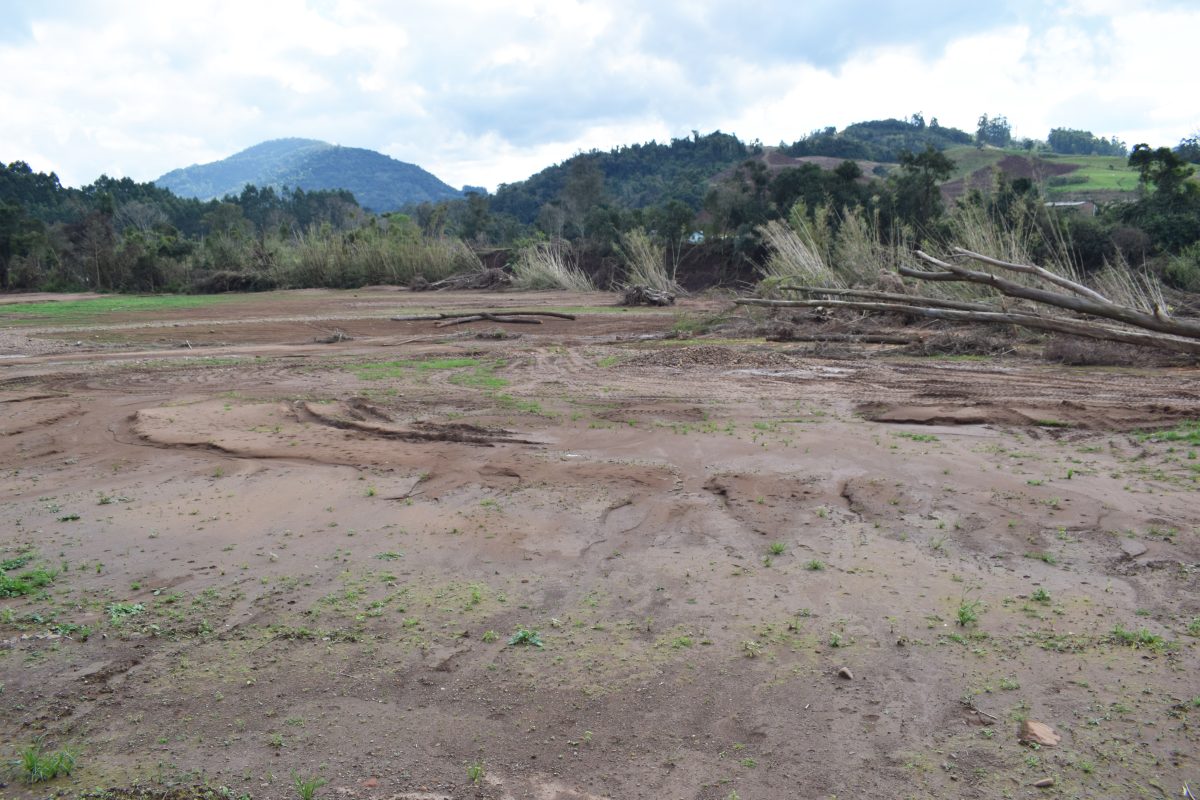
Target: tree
(1169, 209)
(1189, 149)
(917, 196)
(995, 131)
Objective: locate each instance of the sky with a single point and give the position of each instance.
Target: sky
(484, 92)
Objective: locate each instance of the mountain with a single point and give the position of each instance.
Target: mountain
(379, 183)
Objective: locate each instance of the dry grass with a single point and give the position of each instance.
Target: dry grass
(550, 265)
(645, 263)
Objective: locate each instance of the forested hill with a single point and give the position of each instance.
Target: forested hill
(378, 182)
(634, 176)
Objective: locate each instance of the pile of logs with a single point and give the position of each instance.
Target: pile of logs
(1089, 313)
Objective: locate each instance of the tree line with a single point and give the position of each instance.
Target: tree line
(120, 235)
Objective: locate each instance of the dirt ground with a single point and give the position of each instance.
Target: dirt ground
(585, 561)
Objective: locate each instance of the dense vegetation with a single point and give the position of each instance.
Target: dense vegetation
(380, 183)
(119, 235)
(880, 140)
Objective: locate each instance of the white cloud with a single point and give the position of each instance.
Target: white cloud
(483, 93)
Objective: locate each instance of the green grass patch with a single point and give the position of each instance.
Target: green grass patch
(1187, 432)
(26, 583)
(79, 311)
(1141, 638)
(380, 370)
(916, 437)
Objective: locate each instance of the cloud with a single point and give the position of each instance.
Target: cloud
(482, 93)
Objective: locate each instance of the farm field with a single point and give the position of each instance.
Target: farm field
(255, 542)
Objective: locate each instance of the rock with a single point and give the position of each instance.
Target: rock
(1038, 733)
(1132, 548)
(1044, 783)
(845, 672)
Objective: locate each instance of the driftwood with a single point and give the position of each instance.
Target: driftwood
(646, 296)
(447, 318)
(477, 280)
(487, 318)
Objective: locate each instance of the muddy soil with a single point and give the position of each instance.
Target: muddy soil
(588, 562)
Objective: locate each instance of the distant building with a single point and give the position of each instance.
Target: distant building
(696, 237)
(1085, 207)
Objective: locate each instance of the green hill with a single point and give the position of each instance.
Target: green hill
(378, 182)
(1061, 177)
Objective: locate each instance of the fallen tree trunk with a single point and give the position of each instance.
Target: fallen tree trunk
(930, 302)
(850, 338)
(1158, 321)
(1090, 330)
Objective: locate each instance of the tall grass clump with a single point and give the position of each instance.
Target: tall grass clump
(1021, 238)
(825, 250)
(372, 255)
(645, 263)
(549, 265)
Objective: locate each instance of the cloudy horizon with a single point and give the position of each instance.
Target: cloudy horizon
(484, 93)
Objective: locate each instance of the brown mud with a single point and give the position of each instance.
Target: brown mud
(273, 557)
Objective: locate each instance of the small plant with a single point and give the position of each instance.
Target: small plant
(1193, 627)
(306, 788)
(751, 648)
(835, 639)
(34, 764)
(1041, 596)
(526, 637)
(777, 548)
(1141, 638)
(475, 772)
(370, 492)
(276, 741)
(1047, 558)
(490, 636)
(815, 565)
(1009, 684)
(968, 611)
(119, 612)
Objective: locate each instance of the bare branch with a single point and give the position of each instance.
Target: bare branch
(1042, 273)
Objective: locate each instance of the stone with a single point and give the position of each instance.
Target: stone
(1132, 548)
(845, 672)
(1038, 733)
(1044, 783)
